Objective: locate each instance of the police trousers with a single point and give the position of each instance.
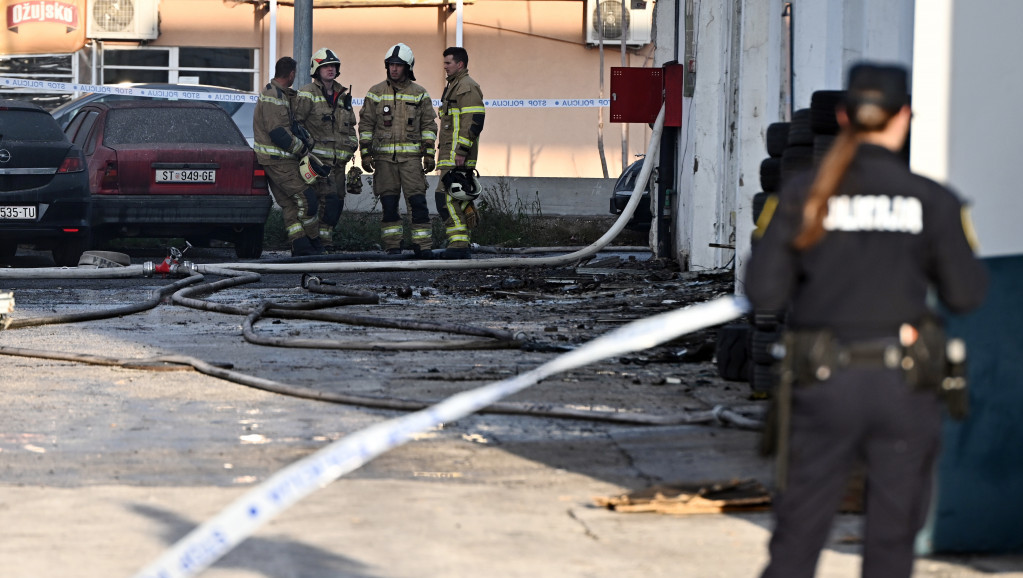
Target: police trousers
(859, 415)
(299, 202)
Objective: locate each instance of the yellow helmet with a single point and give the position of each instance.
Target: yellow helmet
(323, 57)
(312, 169)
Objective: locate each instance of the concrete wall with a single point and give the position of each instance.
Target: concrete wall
(547, 196)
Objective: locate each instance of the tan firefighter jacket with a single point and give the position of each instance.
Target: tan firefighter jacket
(461, 117)
(397, 120)
(331, 123)
(271, 124)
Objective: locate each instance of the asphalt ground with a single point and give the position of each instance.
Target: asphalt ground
(102, 468)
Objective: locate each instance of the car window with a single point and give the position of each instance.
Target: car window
(171, 125)
(30, 126)
(88, 120)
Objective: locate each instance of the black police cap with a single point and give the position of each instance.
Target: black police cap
(881, 85)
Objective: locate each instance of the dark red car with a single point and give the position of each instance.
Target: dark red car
(171, 169)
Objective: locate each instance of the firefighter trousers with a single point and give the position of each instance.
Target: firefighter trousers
(859, 415)
(391, 178)
(299, 202)
(453, 212)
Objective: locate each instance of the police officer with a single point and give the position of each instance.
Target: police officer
(397, 134)
(850, 252)
(462, 114)
(280, 150)
(324, 108)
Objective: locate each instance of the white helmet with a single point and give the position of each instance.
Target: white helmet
(463, 184)
(323, 57)
(312, 169)
(400, 53)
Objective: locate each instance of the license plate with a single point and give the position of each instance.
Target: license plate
(186, 176)
(22, 212)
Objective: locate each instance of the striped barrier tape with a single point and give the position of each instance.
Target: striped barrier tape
(185, 94)
(219, 535)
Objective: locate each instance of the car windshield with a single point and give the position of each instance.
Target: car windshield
(171, 125)
(29, 125)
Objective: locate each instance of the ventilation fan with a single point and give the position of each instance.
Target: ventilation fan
(606, 22)
(123, 20)
(609, 20)
(113, 15)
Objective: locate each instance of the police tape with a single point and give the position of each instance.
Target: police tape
(217, 536)
(205, 94)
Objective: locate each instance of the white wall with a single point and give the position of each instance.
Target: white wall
(967, 128)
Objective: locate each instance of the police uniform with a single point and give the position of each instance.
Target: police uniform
(278, 150)
(330, 120)
(462, 114)
(889, 236)
(397, 128)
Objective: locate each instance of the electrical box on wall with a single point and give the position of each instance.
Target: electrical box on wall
(123, 19)
(638, 93)
(605, 19)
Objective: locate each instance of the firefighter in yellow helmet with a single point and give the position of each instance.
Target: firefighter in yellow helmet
(280, 145)
(324, 108)
(397, 134)
(461, 113)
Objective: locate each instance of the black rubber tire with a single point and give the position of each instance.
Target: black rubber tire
(795, 160)
(799, 129)
(777, 138)
(758, 205)
(68, 252)
(732, 352)
(248, 243)
(821, 145)
(763, 378)
(761, 344)
(822, 111)
(8, 249)
(770, 174)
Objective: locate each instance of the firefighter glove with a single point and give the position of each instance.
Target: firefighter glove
(353, 181)
(429, 164)
(367, 163)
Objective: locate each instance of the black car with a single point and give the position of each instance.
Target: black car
(44, 186)
(622, 192)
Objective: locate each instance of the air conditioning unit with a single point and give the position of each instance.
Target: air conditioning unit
(123, 19)
(604, 18)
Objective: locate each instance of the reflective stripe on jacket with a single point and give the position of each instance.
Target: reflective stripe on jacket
(271, 124)
(330, 123)
(397, 120)
(461, 115)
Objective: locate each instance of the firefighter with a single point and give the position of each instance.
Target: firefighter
(462, 113)
(279, 149)
(397, 134)
(851, 252)
(324, 108)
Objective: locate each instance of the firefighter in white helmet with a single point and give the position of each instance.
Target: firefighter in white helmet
(397, 134)
(324, 108)
(461, 114)
(280, 145)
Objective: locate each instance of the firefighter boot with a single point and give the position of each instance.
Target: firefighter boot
(303, 247)
(456, 253)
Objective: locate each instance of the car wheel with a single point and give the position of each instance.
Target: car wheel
(248, 243)
(67, 253)
(8, 249)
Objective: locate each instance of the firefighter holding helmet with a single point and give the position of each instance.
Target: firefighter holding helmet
(461, 113)
(397, 134)
(324, 108)
(280, 145)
